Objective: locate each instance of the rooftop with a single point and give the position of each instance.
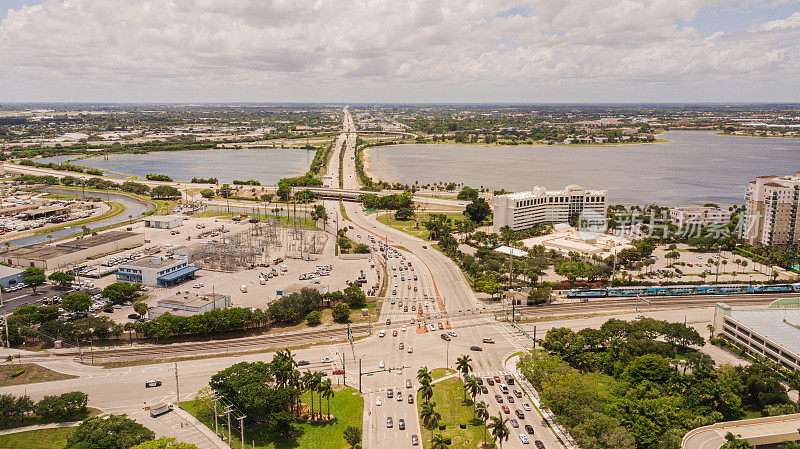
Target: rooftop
(779, 326)
(8, 271)
(153, 262)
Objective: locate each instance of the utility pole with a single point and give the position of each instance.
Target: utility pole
(719, 260)
(216, 419)
(241, 426)
(359, 372)
(8, 340)
(177, 387)
(228, 412)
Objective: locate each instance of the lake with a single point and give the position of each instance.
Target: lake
(693, 167)
(266, 165)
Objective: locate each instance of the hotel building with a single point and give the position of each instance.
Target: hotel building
(523, 210)
(772, 206)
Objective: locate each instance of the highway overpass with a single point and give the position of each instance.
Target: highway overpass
(758, 432)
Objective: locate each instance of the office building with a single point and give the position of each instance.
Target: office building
(772, 206)
(156, 271)
(698, 216)
(62, 255)
(187, 305)
(523, 210)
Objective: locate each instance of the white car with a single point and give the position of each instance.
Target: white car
(381, 364)
(526, 406)
(378, 401)
(403, 328)
(382, 334)
(410, 349)
(326, 360)
(524, 438)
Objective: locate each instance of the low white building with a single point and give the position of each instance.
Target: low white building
(567, 239)
(156, 271)
(187, 305)
(163, 221)
(10, 276)
(698, 216)
(524, 210)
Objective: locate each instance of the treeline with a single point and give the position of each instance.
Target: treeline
(641, 384)
(18, 410)
(321, 158)
(297, 306)
(249, 182)
(63, 166)
(157, 177)
(285, 184)
(205, 181)
(101, 184)
(391, 202)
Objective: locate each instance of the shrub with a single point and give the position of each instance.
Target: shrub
(314, 318)
(18, 372)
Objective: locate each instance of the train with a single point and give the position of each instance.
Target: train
(682, 290)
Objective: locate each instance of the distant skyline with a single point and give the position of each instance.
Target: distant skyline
(380, 51)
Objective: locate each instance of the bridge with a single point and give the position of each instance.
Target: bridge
(758, 432)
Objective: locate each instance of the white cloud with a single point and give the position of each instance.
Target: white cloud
(319, 50)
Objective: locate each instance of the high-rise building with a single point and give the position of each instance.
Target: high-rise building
(524, 210)
(772, 204)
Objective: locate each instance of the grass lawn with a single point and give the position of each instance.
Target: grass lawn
(37, 439)
(448, 395)
(438, 373)
(33, 373)
(347, 407)
(409, 226)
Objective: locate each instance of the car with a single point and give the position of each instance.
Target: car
(529, 429)
(497, 379)
(490, 381)
(410, 398)
(539, 444)
(504, 389)
(524, 438)
(399, 396)
(381, 364)
(401, 346)
(399, 371)
(445, 337)
(514, 423)
(303, 363)
(389, 422)
(394, 333)
(108, 310)
(509, 379)
(134, 316)
(519, 414)
(382, 334)
(414, 440)
(338, 371)
(526, 406)
(408, 383)
(441, 326)
(389, 393)
(517, 393)
(412, 320)
(498, 398)
(432, 327)
(488, 340)
(510, 399)
(378, 401)
(410, 350)
(401, 424)
(453, 334)
(475, 348)
(388, 321)
(152, 383)
(505, 408)
(326, 360)
(404, 328)
(640, 317)
(484, 390)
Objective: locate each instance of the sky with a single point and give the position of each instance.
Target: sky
(407, 51)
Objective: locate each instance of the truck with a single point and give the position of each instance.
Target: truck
(160, 409)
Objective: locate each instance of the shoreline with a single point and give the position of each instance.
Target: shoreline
(537, 144)
(759, 137)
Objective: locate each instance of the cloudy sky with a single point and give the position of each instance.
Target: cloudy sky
(400, 51)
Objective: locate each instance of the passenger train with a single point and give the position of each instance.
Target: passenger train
(681, 290)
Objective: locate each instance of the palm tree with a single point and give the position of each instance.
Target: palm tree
(318, 389)
(463, 366)
(482, 413)
(424, 373)
(425, 390)
(438, 442)
(430, 417)
(308, 384)
(327, 391)
(472, 388)
(500, 432)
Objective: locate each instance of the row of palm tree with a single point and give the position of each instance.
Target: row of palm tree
(480, 410)
(287, 375)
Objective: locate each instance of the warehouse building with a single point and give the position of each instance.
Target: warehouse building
(772, 332)
(54, 257)
(163, 221)
(10, 276)
(156, 271)
(184, 305)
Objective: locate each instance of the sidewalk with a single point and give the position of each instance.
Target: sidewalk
(55, 425)
(214, 439)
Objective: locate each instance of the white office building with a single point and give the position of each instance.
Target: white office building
(163, 221)
(698, 216)
(156, 271)
(524, 210)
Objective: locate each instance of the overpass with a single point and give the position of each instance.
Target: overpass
(758, 432)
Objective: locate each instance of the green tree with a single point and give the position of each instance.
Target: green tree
(361, 248)
(76, 302)
(341, 313)
(482, 413)
(64, 407)
(467, 194)
(109, 432)
(314, 318)
(140, 308)
(464, 366)
(404, 213)
(165, 192)
(429, 416)
(425, 390)
(120, 292)
(34, 277)
(13, 408)
(478, 210)
(64, 280)
(355, 296)
(735, 442)
(352, 435)
(207, 193)
(438, 441)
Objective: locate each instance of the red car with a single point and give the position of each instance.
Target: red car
(338, 371)
(394, 333)
(505, 409)
(497, 379)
